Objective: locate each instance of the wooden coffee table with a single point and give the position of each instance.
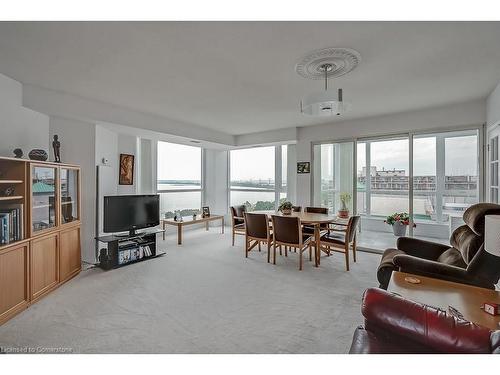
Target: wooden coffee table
(188, 220)
(440, 293)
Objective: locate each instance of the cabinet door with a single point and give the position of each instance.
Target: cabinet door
(43, 198)
(70, 195)
(44, 264)
(69, 253)
(14, 286)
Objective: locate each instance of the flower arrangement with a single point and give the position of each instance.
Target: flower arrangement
(402, 217)
(399, 222)
(285, 207)
(345, 198)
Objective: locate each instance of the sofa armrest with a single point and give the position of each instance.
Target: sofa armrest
(412, 321)
(437, 270)
(420, 248)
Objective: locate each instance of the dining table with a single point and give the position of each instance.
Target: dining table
(313, 219)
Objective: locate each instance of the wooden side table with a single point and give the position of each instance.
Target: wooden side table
(466, 299)
(189, 221)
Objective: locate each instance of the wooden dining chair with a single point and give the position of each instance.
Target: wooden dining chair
(297, 208)
(257, 231)
(287, 232)
(237, 221)
(309, 229)
(317, 210)
(341, 242)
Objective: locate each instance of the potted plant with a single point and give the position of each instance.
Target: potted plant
(345, 198)
(286, 208)
(399, 222)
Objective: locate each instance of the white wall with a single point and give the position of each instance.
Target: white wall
(20, 127)
(216, 174)
(452, 116)
(145, 176)
(493, 107)
(77, 143)
(72, 106)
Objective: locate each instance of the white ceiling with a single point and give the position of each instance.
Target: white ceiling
(238, 77)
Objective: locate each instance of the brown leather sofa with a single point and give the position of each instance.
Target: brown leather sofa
(465, 261)
(394, 325)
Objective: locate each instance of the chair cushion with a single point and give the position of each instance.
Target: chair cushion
(467, 242)
(386, 266)
(334, 238)
(452, 257)
(474, 216)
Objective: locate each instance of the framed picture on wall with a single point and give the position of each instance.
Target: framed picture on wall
(303, 167)
(126, 169)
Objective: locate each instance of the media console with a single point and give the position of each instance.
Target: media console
(128, 249)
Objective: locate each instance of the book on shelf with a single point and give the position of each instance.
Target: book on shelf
(11, 223)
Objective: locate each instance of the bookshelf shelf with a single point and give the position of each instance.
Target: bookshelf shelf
(42, 206)
(11, 198)
(11, 181)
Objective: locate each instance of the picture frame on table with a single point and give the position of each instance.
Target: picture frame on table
(205, 211)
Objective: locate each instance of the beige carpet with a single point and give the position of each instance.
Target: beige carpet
(202, 297)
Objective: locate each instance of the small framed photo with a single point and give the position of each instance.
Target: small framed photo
(303, 167)
(205, 211)
(126, 169)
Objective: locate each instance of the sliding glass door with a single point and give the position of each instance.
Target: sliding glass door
(433, 177)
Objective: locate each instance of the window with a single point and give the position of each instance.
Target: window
(332, 172)
(445, 179)
(382, 176)
(253, 176)
(179, 179)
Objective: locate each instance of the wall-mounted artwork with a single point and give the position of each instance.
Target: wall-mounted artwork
(303, 167)
(126, 169)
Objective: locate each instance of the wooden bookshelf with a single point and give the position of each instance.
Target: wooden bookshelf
(39, 260)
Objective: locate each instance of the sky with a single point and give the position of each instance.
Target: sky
(461, 155)
(178, 162)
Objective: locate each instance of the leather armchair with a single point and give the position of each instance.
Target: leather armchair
(394, 325)
(464, 262)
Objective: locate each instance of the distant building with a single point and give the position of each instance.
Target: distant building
(391, 173)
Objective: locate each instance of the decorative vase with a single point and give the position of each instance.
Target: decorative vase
(343, 213)
(38, 154)
(286, 211)
(399, 229)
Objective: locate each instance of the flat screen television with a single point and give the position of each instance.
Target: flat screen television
(131, 212)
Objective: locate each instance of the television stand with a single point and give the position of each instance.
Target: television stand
(126, 249)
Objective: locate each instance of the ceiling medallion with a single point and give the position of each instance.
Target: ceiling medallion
(342, 60)
(325, 64)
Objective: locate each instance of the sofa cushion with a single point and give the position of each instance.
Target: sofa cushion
(368, 342)
(452, 257)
